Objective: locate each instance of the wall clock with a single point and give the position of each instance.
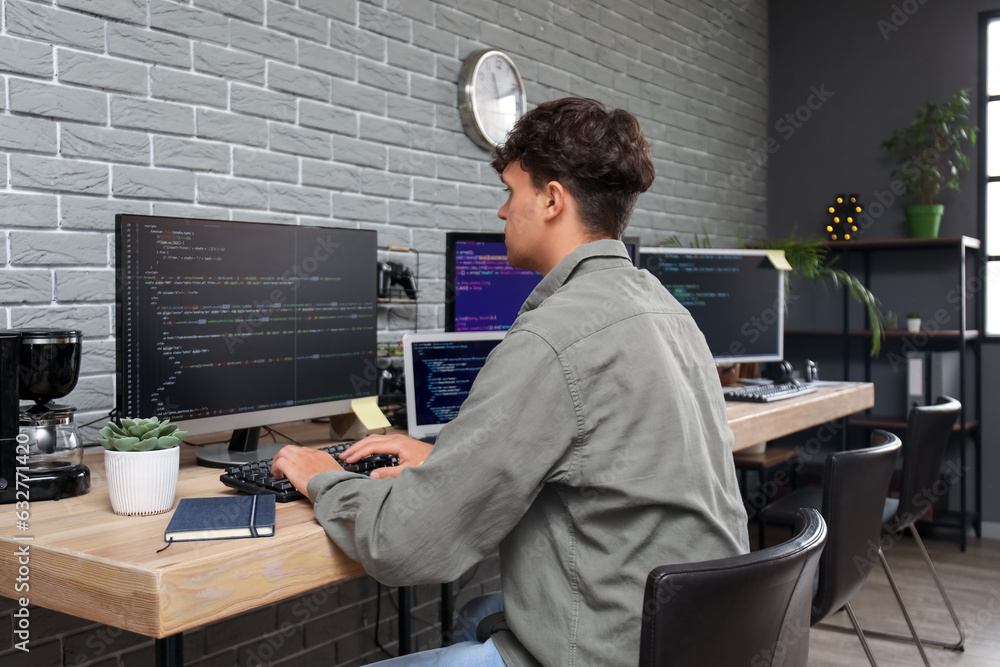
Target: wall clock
(491, 97)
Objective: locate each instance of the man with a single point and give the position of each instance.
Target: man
(593, 446)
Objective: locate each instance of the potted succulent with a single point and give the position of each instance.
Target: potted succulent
(913, 321)
(931, 153)
(141, 461)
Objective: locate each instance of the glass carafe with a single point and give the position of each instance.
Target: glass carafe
(53, 441)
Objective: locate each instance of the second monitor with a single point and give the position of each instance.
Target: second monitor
(483, 292)
(736, 296)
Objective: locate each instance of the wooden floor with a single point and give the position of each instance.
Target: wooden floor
(972, 579)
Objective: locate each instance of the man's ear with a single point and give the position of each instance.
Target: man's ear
(555, 200)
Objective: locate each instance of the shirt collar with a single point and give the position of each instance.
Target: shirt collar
(571, 265)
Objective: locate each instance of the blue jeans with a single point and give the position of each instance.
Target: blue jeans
(463, 654)
(466, 651)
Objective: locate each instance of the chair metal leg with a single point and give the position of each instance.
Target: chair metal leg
(913, 638)
(960, 645)
(902, 607)
(861, 634)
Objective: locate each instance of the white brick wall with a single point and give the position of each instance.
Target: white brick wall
(336, 112)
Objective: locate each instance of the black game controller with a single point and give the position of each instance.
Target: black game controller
(391, 273)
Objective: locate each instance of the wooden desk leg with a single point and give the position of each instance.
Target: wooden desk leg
(170, 651)
(447, 614)
(404, 620)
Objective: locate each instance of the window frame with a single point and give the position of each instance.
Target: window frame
(984, 178)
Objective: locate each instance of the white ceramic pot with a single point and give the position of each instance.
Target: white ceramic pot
(913, 324)
(141, 483)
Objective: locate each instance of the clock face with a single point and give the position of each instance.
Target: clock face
(493, 97)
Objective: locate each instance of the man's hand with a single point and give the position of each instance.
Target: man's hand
(301, 464)
(411, 452)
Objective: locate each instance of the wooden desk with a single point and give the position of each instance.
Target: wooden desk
(88, 562)
(757, 422)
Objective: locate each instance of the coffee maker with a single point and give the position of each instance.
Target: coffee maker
(41, 454)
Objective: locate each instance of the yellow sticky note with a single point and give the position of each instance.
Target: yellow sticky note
(778, 259)
(368, 412)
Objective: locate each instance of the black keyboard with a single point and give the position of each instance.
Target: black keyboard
(765, 393)
(255, 477)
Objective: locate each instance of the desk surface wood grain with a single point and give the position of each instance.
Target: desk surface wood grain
(89, 562)
(757, 422)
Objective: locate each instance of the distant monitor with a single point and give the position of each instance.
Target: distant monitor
(737, 298)
(440, 369)
(483, 292)
(234, 325)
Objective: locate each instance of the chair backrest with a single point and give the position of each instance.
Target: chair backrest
(927, 436)
(744, 610)
(855, 484)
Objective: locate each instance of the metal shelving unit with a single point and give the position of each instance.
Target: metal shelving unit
(963, 339)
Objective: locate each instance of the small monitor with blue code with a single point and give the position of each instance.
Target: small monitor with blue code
(440, 369)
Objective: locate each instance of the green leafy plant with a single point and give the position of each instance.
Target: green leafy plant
(913, 315)
(931, 149)
(141, 435)
(808, 258)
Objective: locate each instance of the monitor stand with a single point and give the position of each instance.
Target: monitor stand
(243, 447)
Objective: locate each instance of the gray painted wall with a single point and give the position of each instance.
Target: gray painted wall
(877, 62)
(336, 112)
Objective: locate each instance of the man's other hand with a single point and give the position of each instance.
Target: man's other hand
(301, 464)
(409, 451)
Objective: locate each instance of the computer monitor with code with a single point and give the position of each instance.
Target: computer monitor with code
(483, 292)
(225, 325)
(737, 298)
(440, 369)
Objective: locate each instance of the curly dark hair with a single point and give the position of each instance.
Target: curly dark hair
(600, 156)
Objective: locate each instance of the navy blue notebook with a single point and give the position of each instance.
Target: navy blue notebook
(221, 518)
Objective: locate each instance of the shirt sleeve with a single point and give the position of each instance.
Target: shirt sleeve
(514, 433)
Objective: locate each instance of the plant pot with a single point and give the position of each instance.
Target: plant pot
(913, 324)
(924, 220)
(142, 483)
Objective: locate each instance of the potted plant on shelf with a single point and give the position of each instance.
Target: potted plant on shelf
(913, 321)
(141, 461)
(931, 152)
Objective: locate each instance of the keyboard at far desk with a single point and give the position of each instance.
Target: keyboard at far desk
(769, 392)
(255, 477)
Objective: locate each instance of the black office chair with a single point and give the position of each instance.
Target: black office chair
(927, 434)
(855, 485)
(744, 610)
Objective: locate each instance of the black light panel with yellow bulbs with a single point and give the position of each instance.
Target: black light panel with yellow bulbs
(844, 214)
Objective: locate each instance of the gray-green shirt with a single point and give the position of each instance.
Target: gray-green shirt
(593, 447)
